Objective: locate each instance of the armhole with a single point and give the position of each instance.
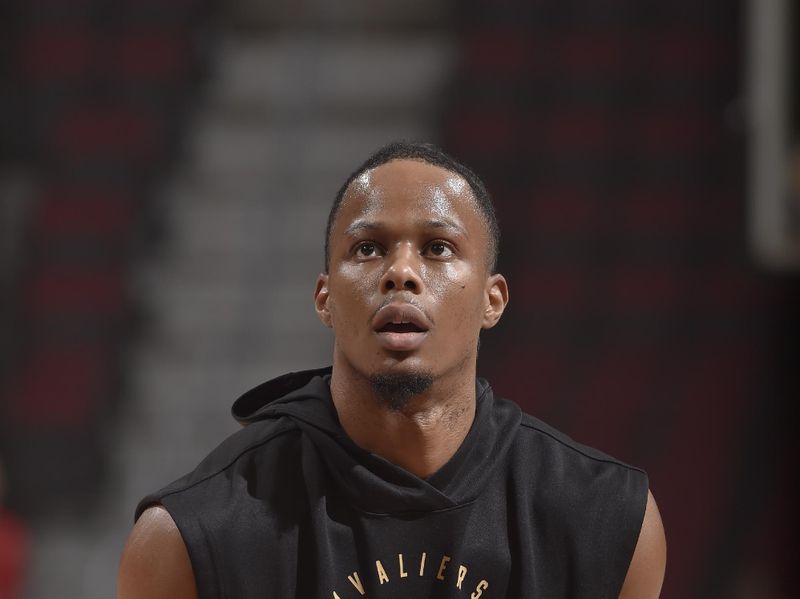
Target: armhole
(196, 541)
(630, 517)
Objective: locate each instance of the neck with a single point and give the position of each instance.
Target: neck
(422, 436)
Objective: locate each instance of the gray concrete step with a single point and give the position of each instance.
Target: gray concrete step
(229, 297)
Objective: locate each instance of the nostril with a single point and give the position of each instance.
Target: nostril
(410, 285)
(390, 284)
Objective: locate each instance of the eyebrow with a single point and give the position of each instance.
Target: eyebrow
(445, 223)
(363, 224)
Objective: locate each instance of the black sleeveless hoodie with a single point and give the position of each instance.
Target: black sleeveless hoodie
(290, 507)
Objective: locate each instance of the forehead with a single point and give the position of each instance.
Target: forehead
(408, 190)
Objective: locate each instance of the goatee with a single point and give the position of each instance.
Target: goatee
(396, 390)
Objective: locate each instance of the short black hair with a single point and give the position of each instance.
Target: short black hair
(425, 152)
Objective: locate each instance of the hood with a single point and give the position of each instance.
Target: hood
(370, 482)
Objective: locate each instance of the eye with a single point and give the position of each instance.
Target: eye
(367, 249)
(440, 249)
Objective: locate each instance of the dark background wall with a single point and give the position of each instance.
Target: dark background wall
(613, 141)
(96, 99)
(612, 137)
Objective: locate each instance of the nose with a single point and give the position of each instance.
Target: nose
(402, 271)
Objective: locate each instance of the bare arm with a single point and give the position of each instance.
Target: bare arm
(646, 572)
(155, 563)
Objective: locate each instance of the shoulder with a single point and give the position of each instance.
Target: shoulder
(251, 442)
(593, 492)
(155, 563)
(559, 450)
(574, 478)
(239, 483)
(254, 448)
(594, 504)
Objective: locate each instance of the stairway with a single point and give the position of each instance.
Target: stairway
(295, 105)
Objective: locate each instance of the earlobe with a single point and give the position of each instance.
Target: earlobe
(496, 300)
(321, 296)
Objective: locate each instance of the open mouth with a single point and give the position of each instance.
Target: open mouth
(401, 327)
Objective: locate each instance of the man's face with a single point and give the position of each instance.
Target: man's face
(408, 287)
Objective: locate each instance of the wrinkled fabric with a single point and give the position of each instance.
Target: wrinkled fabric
(289, 506)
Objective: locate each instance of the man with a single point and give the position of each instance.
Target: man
(396, 473)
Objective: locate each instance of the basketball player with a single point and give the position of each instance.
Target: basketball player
(396, 473)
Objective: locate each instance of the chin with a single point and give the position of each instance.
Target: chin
(396, 388)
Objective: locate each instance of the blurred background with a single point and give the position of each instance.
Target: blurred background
(166, 169)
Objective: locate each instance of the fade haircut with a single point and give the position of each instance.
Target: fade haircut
(431, 154)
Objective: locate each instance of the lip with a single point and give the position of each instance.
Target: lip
(400, 314)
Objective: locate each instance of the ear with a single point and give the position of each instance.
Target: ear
(496, 300)
(321, 296)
